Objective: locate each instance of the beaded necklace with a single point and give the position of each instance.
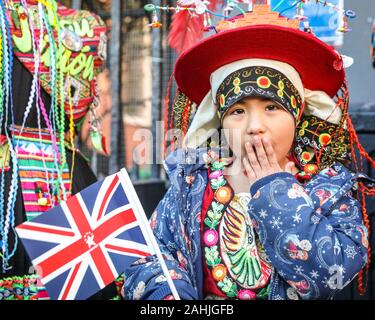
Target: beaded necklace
(48, 23)
(58, 123)
(35, 86)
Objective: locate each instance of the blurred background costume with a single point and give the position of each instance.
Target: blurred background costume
(50, 57)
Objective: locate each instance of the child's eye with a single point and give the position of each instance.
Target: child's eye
(272, 107)
(237, 111)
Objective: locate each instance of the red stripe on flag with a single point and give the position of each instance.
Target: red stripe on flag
(127, 250)
(76, 249)
(102, 265)
(62, 257)
(116, 222)
(71, 280)
(48, 230)
(107, 194)
(77, 213)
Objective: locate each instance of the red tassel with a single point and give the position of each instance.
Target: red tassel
(104, 145)
(185, 118)
(168, 116)
(187, 28)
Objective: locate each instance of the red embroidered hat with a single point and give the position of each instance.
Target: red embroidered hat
(277, 38)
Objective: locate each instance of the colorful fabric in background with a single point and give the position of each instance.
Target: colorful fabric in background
(83, 50)
(319, 141)
(38, 171)
(50, 56)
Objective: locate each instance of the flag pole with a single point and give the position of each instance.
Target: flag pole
(146, 226)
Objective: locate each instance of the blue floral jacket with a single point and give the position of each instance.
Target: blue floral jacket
(322, 220)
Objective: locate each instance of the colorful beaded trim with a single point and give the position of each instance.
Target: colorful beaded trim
(232, 252)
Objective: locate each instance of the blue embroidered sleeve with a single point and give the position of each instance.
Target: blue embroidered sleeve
(144, 279)
(313, 236)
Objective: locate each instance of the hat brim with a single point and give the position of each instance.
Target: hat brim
(319, 65)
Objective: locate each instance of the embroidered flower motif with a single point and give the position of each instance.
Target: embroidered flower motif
(217, 179)
(304, 125)
(210, 238)
(219, 272)
(323, 195)
(236, 82)
(307, 156)
(281, 86)
(364, 235)
(246, 295)
(324, 139)
(263, 82)
(223, 194)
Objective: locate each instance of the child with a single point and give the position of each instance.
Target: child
(278, 217)
(38, 167)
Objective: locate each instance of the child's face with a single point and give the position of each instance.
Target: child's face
(264, 118)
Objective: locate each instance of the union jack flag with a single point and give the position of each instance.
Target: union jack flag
(83, 244)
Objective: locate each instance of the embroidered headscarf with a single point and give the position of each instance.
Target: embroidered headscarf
(316, 115)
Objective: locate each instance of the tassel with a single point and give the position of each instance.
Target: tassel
(168, 114)
(187, 28)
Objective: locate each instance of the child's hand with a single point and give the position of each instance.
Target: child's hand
(263, 161)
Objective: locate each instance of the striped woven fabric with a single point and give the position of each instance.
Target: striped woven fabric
(38, 170)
